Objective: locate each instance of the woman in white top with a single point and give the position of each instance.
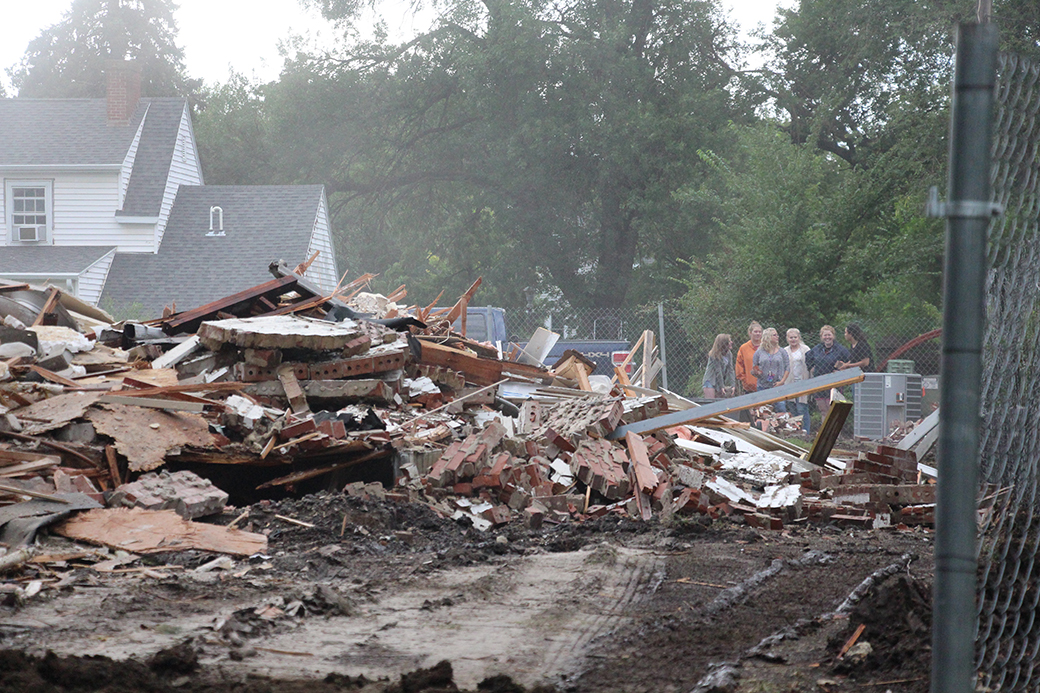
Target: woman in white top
(796, 352)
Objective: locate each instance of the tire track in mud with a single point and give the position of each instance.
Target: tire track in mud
(639, 577)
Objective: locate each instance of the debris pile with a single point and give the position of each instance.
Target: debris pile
(280, 389)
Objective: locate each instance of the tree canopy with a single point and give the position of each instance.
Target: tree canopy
(599, 152)
(547, 140)
(68, 59)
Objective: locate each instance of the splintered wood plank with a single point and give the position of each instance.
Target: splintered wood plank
(55, 412)
(151, 531)
(42, 462)
(144, 436)
(303, 475)
(19, 491)
(581, 371)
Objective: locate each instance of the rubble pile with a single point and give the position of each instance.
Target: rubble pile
(282, 390)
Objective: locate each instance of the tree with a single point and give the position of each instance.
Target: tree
(68, 59)
(848, 75)
(807, 239)
(232, 134)
(551, 137)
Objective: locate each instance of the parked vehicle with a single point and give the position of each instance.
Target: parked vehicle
(488, 324)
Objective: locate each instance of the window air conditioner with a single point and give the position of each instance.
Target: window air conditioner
(29, 233)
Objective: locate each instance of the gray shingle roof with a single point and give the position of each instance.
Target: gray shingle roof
(154, 153)
(75, 132)
(49, 259)
(49, 132)
(261, 224)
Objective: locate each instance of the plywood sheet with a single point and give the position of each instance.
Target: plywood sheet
(146, 436)
(154, 531)
(55, 412)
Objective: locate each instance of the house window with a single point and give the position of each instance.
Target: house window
(29, 215)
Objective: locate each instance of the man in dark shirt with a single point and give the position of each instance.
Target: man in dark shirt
(822, 359)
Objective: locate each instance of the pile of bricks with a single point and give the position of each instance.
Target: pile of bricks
(568, 469)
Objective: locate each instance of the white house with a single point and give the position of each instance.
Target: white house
(105, 199)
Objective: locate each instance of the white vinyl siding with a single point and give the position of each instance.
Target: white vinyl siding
(92, 280)
(128, 162)
(323, 270)
(184, 170)
(84, 212)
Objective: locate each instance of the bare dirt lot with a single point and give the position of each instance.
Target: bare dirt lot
(383, 596)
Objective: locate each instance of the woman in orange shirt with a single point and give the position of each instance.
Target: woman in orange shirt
(745, 356)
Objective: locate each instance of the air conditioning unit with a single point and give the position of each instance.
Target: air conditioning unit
(29, 233)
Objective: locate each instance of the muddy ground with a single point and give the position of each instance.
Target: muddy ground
(382, 596)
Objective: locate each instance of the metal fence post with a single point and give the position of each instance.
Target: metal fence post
(664, 357)
(968, 210)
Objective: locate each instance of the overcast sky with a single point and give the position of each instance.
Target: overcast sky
(220, 35)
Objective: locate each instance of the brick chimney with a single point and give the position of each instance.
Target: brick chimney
(124, 90)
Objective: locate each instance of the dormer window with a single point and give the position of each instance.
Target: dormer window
(29, 211)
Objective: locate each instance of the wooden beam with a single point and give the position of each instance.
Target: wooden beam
(646, 480)
(189, 320)
(232, 386)
(113, 465)
(306, 264)
(825, 438)
(648, 357)
(52, 376)
(479, 371)
(153, 403)
(30, 466)
(48, 307)
(16, 490)
(296, 477)
(48, 443)
(460, 305)
(752, 399)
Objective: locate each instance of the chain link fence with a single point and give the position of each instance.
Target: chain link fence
(1008, 637)
(913, 342)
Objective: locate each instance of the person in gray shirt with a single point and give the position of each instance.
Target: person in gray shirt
(770, 364)
(719, 378)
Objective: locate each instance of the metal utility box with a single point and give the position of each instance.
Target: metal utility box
(883, 399)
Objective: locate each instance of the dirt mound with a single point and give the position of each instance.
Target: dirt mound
(172, 670)
(897, 616)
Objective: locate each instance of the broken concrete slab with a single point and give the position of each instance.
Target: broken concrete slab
(330, 392)
(279, 332)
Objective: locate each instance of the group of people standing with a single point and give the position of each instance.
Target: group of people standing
(761, 363)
